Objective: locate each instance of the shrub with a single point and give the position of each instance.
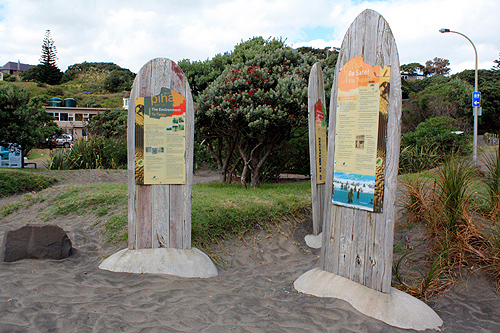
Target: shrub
(119, 80)
(415, 159)
(31, 74)
(438, 132)
(96, 153)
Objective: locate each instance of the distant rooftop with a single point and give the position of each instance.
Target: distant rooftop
(14, 66)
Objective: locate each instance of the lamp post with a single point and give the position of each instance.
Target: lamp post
(474, 147)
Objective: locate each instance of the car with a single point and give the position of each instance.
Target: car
(64, 140)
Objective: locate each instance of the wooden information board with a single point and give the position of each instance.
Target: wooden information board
(363, 155)
(317, 144)
(160, 157)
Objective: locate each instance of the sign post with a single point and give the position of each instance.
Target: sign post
(317, 151)
(160, 175)
(362, 168)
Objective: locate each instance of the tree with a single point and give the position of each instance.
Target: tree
(437, 66)
(31, 74)
(256, 107)
(489, 86)
(109, 124)
(119, 80)
(24, 120)
(201, 73)
(48, 71)
(497, 64)
(412, 68)
(438, 132)
(440, 96)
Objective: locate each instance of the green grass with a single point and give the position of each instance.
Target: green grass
(223, 210)
(38, 154)
(117, 228)
(99, 199)
(18, 181)
(218, 210)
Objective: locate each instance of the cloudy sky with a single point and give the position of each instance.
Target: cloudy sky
(129, 33)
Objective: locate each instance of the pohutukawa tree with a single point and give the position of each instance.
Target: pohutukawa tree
(437, 66)
(48, 71)
(257, 107)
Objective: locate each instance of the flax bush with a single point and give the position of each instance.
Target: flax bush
(96, 153)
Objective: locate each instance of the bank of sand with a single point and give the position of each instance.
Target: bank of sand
(252, 293)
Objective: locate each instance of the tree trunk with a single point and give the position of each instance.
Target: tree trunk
(256, 171)
(229, 177)
(244, 176)
(222, 163)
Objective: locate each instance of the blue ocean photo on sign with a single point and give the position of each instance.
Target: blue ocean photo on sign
(353, 190)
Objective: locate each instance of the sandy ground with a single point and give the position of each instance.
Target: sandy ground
(252, 293)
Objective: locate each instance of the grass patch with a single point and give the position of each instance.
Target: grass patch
(117, 228)
(99, 199)
(27, 200)
(458, 205)
(18, 181)
(218, 210)
(223, 210)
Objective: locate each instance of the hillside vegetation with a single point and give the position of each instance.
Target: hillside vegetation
(91, 84)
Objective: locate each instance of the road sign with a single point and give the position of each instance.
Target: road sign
(476, 98)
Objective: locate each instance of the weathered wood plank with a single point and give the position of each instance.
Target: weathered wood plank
(161, 216)
(144, 208)
(316, 92)
(372, 237)
(188, 188)
(176, 215)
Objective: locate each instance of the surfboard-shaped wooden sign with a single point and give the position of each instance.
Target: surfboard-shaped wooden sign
(160, 157)
(363, 155)
(317, 143)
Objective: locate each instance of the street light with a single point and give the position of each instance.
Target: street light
(474, 149)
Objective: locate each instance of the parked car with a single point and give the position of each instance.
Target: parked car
(64, 140)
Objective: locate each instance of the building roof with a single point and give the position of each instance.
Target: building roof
(16, 66)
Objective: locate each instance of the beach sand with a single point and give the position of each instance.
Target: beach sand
(252, 293)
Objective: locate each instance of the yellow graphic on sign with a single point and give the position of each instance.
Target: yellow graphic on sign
(160, 157)
(320, 136)
(359, 159)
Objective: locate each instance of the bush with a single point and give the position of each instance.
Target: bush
(109, 124)
(415, 159)
(96, 153)
(119, 80)
(9, 78)
(438, 132)
(31, 74)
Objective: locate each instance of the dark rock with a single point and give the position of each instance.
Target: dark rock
(36, 242)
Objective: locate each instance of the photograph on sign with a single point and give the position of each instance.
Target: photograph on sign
(361, 124)
(161, 143)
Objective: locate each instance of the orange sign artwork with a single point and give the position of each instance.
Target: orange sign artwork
(359, 161)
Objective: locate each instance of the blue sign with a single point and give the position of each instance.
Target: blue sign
(476, 98)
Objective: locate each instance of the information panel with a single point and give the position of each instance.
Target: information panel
(160, 152)
(320, 129)
(11, 156)
(361, 123)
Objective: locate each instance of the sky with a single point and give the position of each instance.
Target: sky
(130, 33)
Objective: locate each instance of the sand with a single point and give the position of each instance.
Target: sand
(252, 293)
